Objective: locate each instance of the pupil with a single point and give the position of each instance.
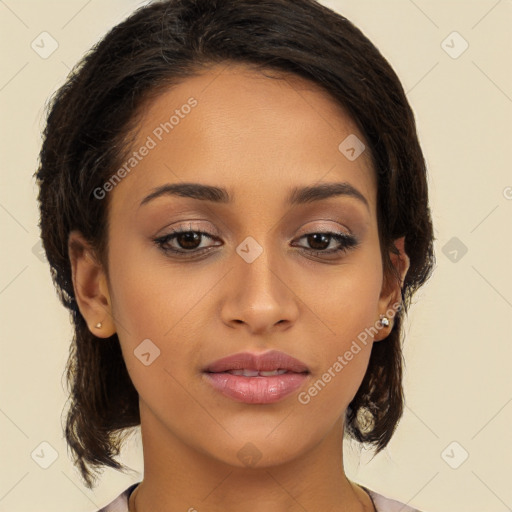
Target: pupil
(318, 237)
(189, 240)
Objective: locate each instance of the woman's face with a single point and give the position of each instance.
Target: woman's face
(262, 278)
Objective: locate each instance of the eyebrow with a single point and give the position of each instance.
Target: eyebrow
(297, 195)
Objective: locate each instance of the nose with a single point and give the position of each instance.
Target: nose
(259, 295)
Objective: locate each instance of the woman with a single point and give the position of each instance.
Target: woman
(235, 210)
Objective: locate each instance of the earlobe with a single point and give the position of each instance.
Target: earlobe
(90, 286)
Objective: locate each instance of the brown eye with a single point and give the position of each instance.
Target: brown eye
(184, 242)
(189, 240)
(318, 243)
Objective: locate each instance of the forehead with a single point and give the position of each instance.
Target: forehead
(257, 134)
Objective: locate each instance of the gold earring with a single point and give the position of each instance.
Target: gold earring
(98, 325)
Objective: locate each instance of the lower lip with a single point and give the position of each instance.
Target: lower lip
(256, 390)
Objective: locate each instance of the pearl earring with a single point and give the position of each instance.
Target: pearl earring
(384, 320)
(98, 325)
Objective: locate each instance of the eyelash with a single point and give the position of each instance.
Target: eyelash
(346, 242)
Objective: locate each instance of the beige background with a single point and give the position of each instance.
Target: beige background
(458, 346)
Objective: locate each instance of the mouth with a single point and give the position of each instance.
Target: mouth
(255, 373)
(254, 365)
(257, 378)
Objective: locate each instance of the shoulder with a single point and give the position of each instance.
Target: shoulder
(383, 504)
(120, 504)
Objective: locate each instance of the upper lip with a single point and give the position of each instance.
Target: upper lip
(266, 362)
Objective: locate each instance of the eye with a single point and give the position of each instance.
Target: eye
(319, 242)
(184, 242)
(187, 240)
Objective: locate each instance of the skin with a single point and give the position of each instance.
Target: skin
(257, 137)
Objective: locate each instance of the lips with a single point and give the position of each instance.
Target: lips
(253, 365)
(257, 378)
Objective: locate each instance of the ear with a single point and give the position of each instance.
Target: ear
(90, 286)
(391, 293)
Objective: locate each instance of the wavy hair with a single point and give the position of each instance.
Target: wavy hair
(88, 123)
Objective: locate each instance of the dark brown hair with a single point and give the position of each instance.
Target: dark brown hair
(85, 140)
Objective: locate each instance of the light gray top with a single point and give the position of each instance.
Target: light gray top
(382, 504)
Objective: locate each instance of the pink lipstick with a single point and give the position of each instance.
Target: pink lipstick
(257, 378)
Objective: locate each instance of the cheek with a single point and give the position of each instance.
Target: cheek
(343, 360)
(152, 301)
(349, 314)
(347, 301)
(149, 296)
